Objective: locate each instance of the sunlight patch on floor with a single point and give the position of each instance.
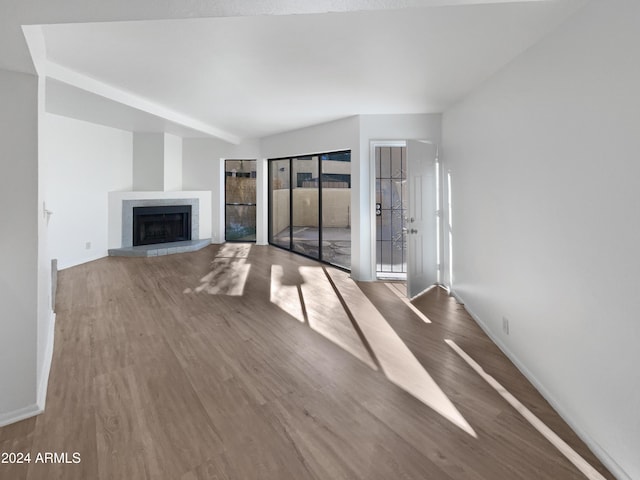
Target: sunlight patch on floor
(286, 296)
(571, 455)
(398, 362)
(229, 272)
(313, 301)
(401, 292)
(315, 296)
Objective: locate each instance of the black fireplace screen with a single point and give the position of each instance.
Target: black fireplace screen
(162, 224)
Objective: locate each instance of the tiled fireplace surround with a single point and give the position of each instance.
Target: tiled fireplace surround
(126, 238)
(127, 215)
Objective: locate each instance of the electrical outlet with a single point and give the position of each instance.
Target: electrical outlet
(505, 325)
(87, 246)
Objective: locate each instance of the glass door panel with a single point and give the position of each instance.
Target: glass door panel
(240, 200)
(305, 206)
(391, 209)
(280, 207)
(336, 208)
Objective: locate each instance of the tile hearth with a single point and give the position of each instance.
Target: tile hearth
(160, 249)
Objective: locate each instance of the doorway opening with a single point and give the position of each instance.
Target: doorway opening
(240, 200)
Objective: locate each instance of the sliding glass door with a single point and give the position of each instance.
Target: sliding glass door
(310, 206)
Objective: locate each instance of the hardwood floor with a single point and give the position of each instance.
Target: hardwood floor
(242, 362)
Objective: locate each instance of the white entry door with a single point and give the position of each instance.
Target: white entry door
(422, 266)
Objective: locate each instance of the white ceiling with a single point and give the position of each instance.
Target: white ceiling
(252, 76)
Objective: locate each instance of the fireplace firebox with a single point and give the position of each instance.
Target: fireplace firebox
(161, 224)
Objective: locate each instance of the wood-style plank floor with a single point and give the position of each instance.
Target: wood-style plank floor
(248, 362)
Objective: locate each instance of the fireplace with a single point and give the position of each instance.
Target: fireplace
(161, 224)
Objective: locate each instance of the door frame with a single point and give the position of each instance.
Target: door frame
(439, 200)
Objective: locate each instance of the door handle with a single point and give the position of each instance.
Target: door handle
(413, 230)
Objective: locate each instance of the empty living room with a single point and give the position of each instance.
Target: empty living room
(320, 240)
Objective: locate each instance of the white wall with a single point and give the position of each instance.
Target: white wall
(172, 162)
(203, 169)
(326, 137)
(419, 126)
(18, 245)
(86, 161)
(157, 162)
(545, 186)
(148, 167)
(46, 316)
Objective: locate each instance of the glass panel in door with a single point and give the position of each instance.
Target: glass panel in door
(240, 200)
(336, 208)
(305, 206)
(391, 210)
(280, 203)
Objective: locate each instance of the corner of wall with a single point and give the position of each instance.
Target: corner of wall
(20, 273)
(45, 368)
(20, 414)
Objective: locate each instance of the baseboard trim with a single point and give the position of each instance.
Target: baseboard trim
(64, 265)
(20, 414)
(594, 446)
